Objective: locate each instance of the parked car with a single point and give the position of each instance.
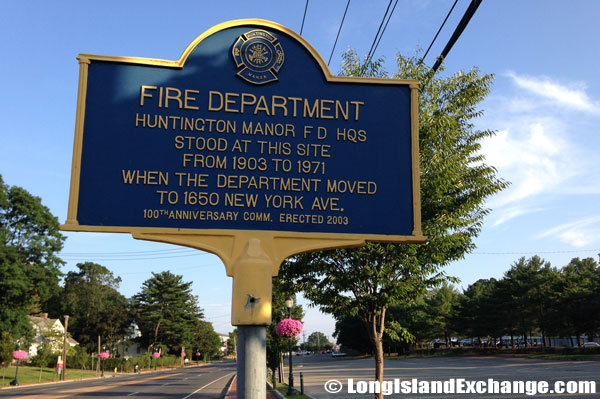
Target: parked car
(591, 345)
(302, 353)
(338, 354)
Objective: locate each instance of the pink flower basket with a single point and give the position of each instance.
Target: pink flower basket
(289, 328)
(103, 355)
(19, 355)
(156, 355)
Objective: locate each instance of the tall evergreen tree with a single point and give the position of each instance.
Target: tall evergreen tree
(578, 301)
(167, 312)
(478, 310)
(526, 292)
(440, 307)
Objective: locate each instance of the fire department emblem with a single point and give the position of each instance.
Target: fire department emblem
(259, 55)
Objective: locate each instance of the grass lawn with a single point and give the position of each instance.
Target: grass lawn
(282, 388)
(29, 375)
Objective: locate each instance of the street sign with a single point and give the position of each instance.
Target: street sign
(249, 148)
(247, 131)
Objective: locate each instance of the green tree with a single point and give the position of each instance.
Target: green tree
(414, 316)
(578, 301)
(232, 341)
(95, 306)
(7, 346)
(318, 341)
(29, 265)
(206, 340)
(167, 312)
(351, 333)
(528, 293)
(478, 311)
(42, 357)
(440, 308)
(455, 181)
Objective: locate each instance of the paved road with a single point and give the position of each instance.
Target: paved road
(189, 383)
(318, 369)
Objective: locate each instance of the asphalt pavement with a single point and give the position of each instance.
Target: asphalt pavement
(192, 382)
(319, 370)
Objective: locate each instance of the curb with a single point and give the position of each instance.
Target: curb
(280, 395)
(230, 384)
(275, 391)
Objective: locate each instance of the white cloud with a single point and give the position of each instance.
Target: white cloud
(573, 96)
(532, 154)
(513, 212)
(579, 233)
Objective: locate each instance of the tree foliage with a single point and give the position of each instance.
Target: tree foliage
(318, 341)
(167, 312)
(95, 306)
(29, 265)
(455, 181)
(206, 340)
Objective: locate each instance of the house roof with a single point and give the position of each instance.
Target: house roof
(44, 322)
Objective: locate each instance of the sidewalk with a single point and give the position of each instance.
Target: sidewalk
(232, 392)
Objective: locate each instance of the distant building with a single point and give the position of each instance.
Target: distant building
(48, 330)
(224, 338)
(129, 346)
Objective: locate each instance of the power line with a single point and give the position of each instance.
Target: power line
(385, 27)
(127, 253)
(536, 252)
(377, 34)
(338, 34)
(133, 255)
(174, 269)
(457, 32)
(439, 30)
(107, 258)
(303, 18)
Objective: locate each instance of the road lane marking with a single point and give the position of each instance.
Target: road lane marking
(132, 393)
(71, 392)
(210, 383)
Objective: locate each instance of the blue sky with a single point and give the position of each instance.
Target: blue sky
(544, 105)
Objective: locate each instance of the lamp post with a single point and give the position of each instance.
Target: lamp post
(155, 355)
(103, 356)
(64, 349)
(289, 303)
(18, 355)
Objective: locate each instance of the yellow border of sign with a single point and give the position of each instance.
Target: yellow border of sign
(229, 245)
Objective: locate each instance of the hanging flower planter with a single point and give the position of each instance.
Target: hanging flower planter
(156, 355)
(289, 328)
(103, 355)
(19, 355)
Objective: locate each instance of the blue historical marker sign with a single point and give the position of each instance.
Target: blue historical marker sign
(248, 130)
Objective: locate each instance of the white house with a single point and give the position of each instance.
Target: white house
(46, 329)
(224, 338)
(128, 347)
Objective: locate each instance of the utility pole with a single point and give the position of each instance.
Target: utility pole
(98, 364)
(318, 341)
(64, 351)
